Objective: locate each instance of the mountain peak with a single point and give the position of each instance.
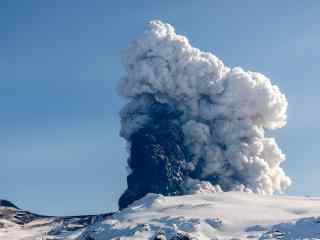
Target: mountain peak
(6, 203)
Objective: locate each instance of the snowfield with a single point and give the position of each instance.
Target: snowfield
(203, 216)
(229, 215)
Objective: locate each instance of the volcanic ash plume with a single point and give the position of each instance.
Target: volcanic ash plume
(190, 120)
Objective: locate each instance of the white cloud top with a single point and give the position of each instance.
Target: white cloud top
(224, 111)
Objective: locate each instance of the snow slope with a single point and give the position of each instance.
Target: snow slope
(203, 216)
(17, 224)
(229, 215)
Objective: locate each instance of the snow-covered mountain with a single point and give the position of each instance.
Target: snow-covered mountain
(202, 216)
(17, 224)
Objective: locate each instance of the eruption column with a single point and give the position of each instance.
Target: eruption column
(191, 120)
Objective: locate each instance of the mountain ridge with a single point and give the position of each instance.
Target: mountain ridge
(201, 216)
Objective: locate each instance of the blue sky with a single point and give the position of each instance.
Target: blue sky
(60, 62)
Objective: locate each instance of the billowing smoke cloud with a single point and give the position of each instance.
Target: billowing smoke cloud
(221, 112)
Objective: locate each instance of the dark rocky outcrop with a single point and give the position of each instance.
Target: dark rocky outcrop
(181, 236)
(6, 203)
(178, 236)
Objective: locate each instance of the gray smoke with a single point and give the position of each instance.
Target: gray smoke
(223, 112)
